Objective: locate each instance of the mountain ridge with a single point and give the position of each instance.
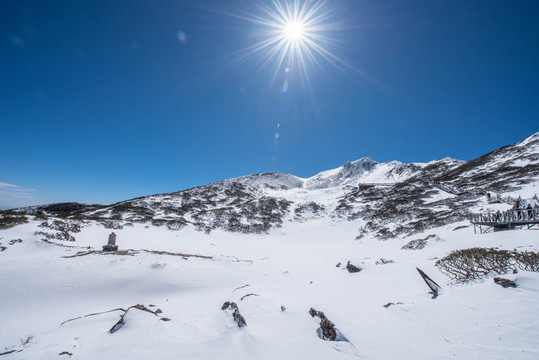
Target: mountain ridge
(387, 199)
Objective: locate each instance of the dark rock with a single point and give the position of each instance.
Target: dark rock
(390, 303)
(505, 282)
(108, 248)
(383, 261)
(229, 305)
(238, 318)
(327, 329)
(352, 268)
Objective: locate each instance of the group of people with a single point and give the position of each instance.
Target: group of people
(521, 210)
(524, 210)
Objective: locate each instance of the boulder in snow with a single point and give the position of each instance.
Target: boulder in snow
(352, 268)
(505, 282)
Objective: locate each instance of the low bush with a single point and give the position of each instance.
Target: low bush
(477, 263)
(8, 221)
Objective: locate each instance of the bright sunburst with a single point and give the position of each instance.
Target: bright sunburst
(294, 30)
(294, 34)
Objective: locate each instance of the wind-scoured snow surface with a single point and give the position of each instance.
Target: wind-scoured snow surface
(294, 267)
(271, 244)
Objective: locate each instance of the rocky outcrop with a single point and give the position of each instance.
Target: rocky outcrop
(327, 329)
(505, 282)
(238, 318)
(352, 268)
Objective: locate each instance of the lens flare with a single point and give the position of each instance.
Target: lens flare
(182, 36)
(292, 34)
(284, 88)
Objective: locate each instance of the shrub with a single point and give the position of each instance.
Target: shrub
(476, 263)
(418, 243)
(8, 221)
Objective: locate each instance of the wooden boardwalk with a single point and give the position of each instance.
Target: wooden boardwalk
(374, 184)
(505, 220)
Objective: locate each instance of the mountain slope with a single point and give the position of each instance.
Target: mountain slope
(385, 199)
(501, 170)
(61, 295)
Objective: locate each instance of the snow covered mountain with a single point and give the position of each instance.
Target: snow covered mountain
(385, 199)
(275, 266)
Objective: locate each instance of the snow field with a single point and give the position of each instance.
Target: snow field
(294, 267)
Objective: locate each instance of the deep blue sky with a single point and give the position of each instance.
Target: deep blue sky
(101, 101)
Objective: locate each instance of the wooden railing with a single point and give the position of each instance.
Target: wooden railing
(376, 184)
(447, 188)
(523, 216)
(501, 199)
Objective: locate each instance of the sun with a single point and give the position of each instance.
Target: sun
(296, 33)
(294, 30)
(296, 37)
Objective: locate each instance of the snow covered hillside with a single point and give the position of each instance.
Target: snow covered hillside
(385, 200)
(277, 245)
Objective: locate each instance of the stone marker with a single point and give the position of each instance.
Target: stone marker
(111, 246)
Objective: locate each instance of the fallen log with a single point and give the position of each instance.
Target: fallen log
(120, 322)
(433, 286)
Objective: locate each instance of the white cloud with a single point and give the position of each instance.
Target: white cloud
(15, 196)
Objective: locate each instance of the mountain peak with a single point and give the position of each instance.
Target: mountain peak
(532, 139)
(274, 180)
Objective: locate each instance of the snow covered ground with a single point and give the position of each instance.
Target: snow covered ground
(293, 267)
(286, 250)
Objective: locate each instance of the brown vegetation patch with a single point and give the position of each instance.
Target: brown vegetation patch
(477, 263)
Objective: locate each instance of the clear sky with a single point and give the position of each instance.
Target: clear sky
(102, 101)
